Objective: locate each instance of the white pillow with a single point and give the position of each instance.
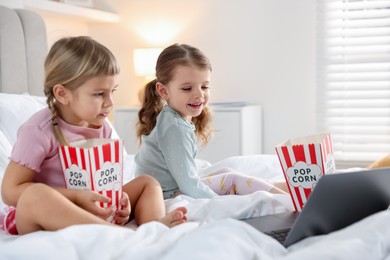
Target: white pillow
(15, 110)
(5, 152)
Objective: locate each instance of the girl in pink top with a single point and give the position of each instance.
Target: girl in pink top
(81, 77)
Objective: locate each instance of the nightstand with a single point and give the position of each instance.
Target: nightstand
(238, 131)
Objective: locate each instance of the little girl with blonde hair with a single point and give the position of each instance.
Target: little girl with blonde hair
(81, 76)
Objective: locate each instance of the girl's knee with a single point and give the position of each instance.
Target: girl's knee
(149, 180)
(146, 181)
(138, 185)
(223, 170)
(233, 176)
(227, 169)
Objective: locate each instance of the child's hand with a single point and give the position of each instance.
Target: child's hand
(122, 215)
(89, 200)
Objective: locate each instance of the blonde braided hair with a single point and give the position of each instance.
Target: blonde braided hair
(71, 62)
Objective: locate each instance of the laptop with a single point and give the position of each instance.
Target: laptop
(338, 200)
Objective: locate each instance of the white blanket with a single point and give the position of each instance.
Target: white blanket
(222, 239)
(213, 231)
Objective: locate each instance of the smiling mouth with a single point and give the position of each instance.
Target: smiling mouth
(196, 105)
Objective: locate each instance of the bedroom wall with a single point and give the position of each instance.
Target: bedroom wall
(262, 51)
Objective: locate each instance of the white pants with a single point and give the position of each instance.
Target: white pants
(226, 181)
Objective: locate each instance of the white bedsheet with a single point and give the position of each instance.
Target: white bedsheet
(222, 239)
(213, 231)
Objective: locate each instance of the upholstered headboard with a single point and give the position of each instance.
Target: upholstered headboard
(23, 48)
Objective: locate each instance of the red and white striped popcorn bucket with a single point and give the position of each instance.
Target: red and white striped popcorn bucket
(304, 160)
(95, 164)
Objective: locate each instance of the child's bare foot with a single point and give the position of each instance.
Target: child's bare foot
(174, 218)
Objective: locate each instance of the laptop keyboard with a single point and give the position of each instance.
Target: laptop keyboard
(279, 235)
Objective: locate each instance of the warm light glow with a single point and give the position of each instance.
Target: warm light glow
(145, 61)
(158, 33)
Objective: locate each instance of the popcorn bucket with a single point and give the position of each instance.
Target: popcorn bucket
(304, 160)
(95, 164)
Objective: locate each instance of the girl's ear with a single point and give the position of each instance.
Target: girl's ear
(61, 94)
(162, 91)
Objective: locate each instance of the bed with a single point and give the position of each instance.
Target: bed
(213, 230)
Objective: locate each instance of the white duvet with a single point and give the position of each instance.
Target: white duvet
(213, 231)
